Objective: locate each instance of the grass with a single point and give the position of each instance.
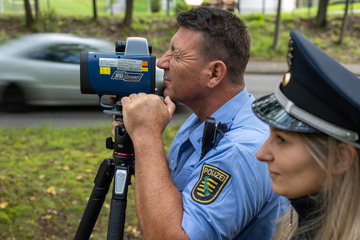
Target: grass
(71, 7)
(46, 177)
(85, 7)
(331, 7)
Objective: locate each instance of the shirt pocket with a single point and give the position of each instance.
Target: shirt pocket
(172, 160)
(182, 178)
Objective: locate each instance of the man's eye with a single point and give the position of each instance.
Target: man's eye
(176, 54)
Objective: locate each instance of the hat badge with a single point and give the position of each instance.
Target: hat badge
(287, 76)
(286, 79)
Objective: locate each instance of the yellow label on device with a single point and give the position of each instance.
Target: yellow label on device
(105, 70)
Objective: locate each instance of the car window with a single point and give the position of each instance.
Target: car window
(65, 53)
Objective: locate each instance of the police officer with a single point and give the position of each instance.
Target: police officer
(225, 193)
(314, 145)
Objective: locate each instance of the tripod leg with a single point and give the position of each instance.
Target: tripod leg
(118, 203)
(102, 183)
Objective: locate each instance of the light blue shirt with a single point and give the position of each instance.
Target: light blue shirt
(228, 194)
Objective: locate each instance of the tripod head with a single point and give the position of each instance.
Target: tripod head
(122, 146)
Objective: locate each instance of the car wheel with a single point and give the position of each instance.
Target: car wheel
(13, 99)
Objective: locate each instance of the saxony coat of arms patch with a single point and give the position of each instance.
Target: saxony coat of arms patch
(211, 182)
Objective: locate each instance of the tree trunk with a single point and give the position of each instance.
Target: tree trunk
(309, 7)
(344, 22)
(111, 7)
(37, 9)
(128, 13)
(321, 14)
(277, 26)
(94, 10)
(263, 6)
(28, 14)
(167, 7)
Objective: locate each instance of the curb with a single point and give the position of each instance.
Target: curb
(263, 67)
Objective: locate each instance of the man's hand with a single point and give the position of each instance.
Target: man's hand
(145, 115)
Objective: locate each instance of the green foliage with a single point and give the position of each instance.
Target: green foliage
(46, 177)
(138, 25)
(73, 8)
(4, 220)
(155, 5)
(140, 6)
(261, 29)
(57, 16)
(256, 18)
(47, 22)
(4, 36)
(261, 32)
(181, 6)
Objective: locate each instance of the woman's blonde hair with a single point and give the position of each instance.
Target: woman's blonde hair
(340, 195)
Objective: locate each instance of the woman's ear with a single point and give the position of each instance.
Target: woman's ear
(346, 159)
(218, 71)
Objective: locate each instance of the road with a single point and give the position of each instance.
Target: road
(258, 84)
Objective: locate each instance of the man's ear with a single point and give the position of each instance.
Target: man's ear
(218, 72)
(347, 157)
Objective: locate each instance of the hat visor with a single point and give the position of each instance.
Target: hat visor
(271, 112)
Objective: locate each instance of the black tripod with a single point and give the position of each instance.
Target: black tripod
(121, 166)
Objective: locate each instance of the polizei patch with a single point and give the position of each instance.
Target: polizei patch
(131, 77)
(211, 182)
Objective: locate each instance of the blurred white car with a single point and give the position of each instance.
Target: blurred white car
(44, 69)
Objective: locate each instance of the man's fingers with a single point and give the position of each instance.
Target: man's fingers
(115, 123)
(170, 105)
(125, 101)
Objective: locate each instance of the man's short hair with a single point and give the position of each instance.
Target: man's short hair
(225, 38)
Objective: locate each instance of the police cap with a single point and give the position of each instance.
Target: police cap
(317, 94)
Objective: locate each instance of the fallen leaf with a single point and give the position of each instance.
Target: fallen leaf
(46, 217)
(4, 205)
(51, 190)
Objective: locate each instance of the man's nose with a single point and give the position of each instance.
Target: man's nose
(163, 62)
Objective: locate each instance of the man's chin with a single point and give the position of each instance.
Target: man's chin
(167, 93)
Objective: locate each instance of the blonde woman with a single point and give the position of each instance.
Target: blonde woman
(313, 149)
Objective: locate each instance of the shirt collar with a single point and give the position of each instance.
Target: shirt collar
(225, 114)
